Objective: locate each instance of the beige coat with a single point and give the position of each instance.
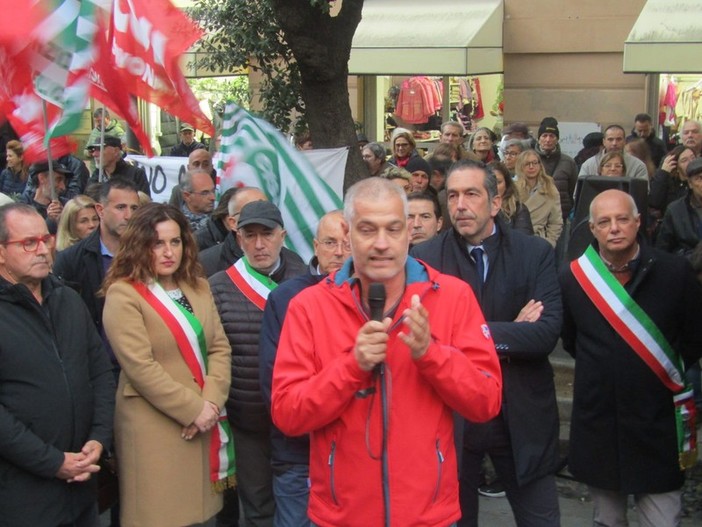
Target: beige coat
(545, 212)
(164, 480)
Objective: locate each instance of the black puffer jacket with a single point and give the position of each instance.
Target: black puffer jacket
(242, 323)
(56, 393)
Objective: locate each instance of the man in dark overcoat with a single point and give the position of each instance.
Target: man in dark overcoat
(631, 320)
(514, 278)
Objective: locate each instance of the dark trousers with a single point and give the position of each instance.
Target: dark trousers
(229, 515)
(87, 518)
(254, 476)
(533, 505)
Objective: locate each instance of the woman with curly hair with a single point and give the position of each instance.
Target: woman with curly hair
(13, 179)
(78, 219)
(513, 211)
(537, 191)
(173, 441)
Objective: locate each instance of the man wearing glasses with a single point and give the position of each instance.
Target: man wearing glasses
(290, 457)
(57, 397)
(198, 197)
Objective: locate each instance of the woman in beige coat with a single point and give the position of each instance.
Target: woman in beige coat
(162, 324)
(538, 192)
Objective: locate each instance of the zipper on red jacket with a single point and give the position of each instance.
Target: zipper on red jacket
(332, 491)
(440, 465)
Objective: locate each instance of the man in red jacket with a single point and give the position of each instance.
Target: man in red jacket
(377, 397)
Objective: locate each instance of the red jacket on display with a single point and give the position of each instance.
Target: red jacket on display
(318, 388)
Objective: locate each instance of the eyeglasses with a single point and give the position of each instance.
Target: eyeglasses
(31, 245)
(532, 164)
(333, 244)
(204, 193)
(613, 165)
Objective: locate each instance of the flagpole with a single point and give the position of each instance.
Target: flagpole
(101, 172)
(48, 151)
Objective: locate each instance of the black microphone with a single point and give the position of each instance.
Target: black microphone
(376, 301)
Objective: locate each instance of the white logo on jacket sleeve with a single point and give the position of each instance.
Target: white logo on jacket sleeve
(486, 331)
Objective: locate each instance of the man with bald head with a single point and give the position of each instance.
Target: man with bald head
(290, 455)
(631, 320)
(220, 257)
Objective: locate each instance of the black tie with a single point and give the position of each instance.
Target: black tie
(477, 255)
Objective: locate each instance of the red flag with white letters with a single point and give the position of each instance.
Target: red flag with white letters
(149, 36)
(107, 87)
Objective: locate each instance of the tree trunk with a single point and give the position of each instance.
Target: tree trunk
(321, 45)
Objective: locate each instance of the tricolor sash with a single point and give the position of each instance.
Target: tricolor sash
(645, 338)
(190, 337)
(254, 285)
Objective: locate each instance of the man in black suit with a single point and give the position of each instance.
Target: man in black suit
(514, 278)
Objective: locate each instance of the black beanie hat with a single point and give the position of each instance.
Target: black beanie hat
(549, 125)
(593, 139)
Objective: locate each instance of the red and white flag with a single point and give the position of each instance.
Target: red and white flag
(107, 87)
(148, 39)
(19, 103)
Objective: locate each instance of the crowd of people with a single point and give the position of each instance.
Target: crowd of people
(225, 377)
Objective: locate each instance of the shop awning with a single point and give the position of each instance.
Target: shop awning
(435, 37)
(666, 38)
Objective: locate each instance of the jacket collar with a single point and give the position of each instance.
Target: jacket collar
(645, 262)
(92, 242)
(20, 293)
(555, 154)
(415, 271)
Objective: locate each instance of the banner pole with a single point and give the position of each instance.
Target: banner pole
(48, 151)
